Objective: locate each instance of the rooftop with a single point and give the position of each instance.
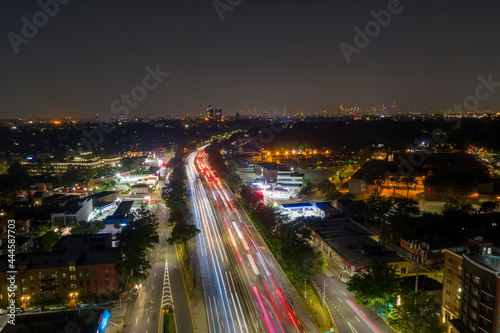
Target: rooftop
(352, 241)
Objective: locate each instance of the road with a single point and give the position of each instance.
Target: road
(163, 286)
(349, 316)
(241, 291)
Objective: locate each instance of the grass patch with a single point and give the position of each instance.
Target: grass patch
(168, 323)
(314, 304)
(186, 270)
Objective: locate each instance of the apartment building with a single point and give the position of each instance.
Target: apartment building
(79, 266)
(471, 288)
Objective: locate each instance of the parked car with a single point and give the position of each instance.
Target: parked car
(19, 310)
(83, 305)
(58, 307)
(2, 311)
(135, 292)
(102, 304)
(36, 309)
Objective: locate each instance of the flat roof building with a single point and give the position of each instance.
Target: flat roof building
(352, 246)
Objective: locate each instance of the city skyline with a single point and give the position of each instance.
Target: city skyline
(173, 59)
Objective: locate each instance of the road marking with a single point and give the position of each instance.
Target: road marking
(345, 294)
(350, 326)
(357, 318)
(136, 319)
(148, 320)
(155, 273)
(153, 286)
(339, 299)
(140, 303)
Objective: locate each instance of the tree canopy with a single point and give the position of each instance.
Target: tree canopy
(136, 239)
(378, 285)
(328, 189)
(417, 313)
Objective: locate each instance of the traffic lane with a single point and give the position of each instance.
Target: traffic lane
(222, 316)
(267, 294)
(345, 311)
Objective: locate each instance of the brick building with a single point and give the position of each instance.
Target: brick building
(79, 266)
(471, 288)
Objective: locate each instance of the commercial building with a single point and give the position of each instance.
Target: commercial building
(268, 170)
(71, 212)
(218, 114)
(36, 167)
(210, 112)
(352, 246)
(78, 267)
(471, 292)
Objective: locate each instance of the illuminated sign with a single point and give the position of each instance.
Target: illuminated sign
(103, 321)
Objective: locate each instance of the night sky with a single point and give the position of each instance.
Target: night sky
(263, 55)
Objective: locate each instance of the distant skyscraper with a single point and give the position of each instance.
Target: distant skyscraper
(97, 117)
(218, 114)
(237, 116)
(123, 116)
(210, 112)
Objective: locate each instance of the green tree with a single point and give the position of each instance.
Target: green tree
(377, 206)
(182, 233)
(48, 240)
(306, 187)
(417, 313)
(96, 228)
(376, 178)
(136, 239)
(377, 286)
(78, 229)
(328, 189)
(302, 260)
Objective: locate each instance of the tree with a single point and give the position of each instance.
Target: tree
(409, 181)
(377, 286)
(19, 175)
(377, 206)
(416, 314)
(78, 229)
(136, 239)
(96, 228)
(453, 208)
(48, 240)
(376, 178)
(488, 206)
(300, 258)
(182, 233)
(306, 187)
(401, 218)
(328, 189)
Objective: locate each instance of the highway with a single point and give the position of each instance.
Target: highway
(241, 292)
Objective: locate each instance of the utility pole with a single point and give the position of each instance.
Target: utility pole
(305, 289)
